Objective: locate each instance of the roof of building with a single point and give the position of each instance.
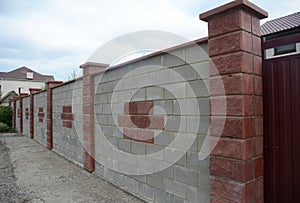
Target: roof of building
(21, 74)
(281, 24)
(8, 95)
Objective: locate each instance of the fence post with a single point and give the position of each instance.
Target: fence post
(15, 111)
(50, 84)
(236, 164)
(11, 100)
(31, 127)
(88, 112)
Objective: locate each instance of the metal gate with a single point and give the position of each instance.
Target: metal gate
(282, 129)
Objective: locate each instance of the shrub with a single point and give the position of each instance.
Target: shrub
(4, 127)
(6, 115)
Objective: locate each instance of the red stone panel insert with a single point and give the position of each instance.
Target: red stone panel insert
(67, 116)
(41, 114)
(139, 122)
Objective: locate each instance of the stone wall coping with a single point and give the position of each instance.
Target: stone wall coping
(244, 4)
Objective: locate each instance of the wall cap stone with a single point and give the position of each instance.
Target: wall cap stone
(238, 4)
(93, 64)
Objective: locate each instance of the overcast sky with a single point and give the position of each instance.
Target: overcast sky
(56, 36)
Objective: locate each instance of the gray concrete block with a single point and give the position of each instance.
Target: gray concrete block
(164, 138)
(144, 80)
(124, 96)
(160, 196)
(106, 108)
(174, 58)
(204, 180)
(148, 65)
(194, 146)
(202, 69)
(198, 88)
(196, 124)
(194, 162)
(204, 105)
(117, 74)
(163, 76)
(108, 173)
(112, 140)
(130, 83)
(138, 148)
(173, 155)
(99, 168)
(184, 73)
(107, 130)
(188, 106)
(196, 53)
(154, 93)
(193, 194)
(184, 141)
(163, 107)
(98, 109)
(117, 108)
(111, 121)
(102, 119)
(138, 94)
(131, 184)
(168, 172)
(151, 148)
(101, 98)
(201, 139)
(155, 180)
(176, 108)
(176, 188)
(176, 124)
(146, 191)
(179, 200)
(177, 90)
(124, 145)
(109, 97)
(197, 195)
(182, 161)
(108, 86)
(119, 179)
(140, 178)
(117, 132)
(186, 175)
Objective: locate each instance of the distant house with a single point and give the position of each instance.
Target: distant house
(19, 81)
(5, 98)
(281, 36)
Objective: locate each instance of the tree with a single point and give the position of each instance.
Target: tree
(74, 74)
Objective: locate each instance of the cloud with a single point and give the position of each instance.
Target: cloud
(37, 32)
(54, 35)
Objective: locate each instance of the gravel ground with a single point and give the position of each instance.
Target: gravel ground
(30, 172)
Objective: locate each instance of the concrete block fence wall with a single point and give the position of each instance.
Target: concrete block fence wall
(26, 116)
(67, 120)
(128, 102)
(123, 122)
(40, 117)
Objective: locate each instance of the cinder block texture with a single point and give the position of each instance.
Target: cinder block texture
(68, 121)
(155, 108)
(26, 116)
(40, 116)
